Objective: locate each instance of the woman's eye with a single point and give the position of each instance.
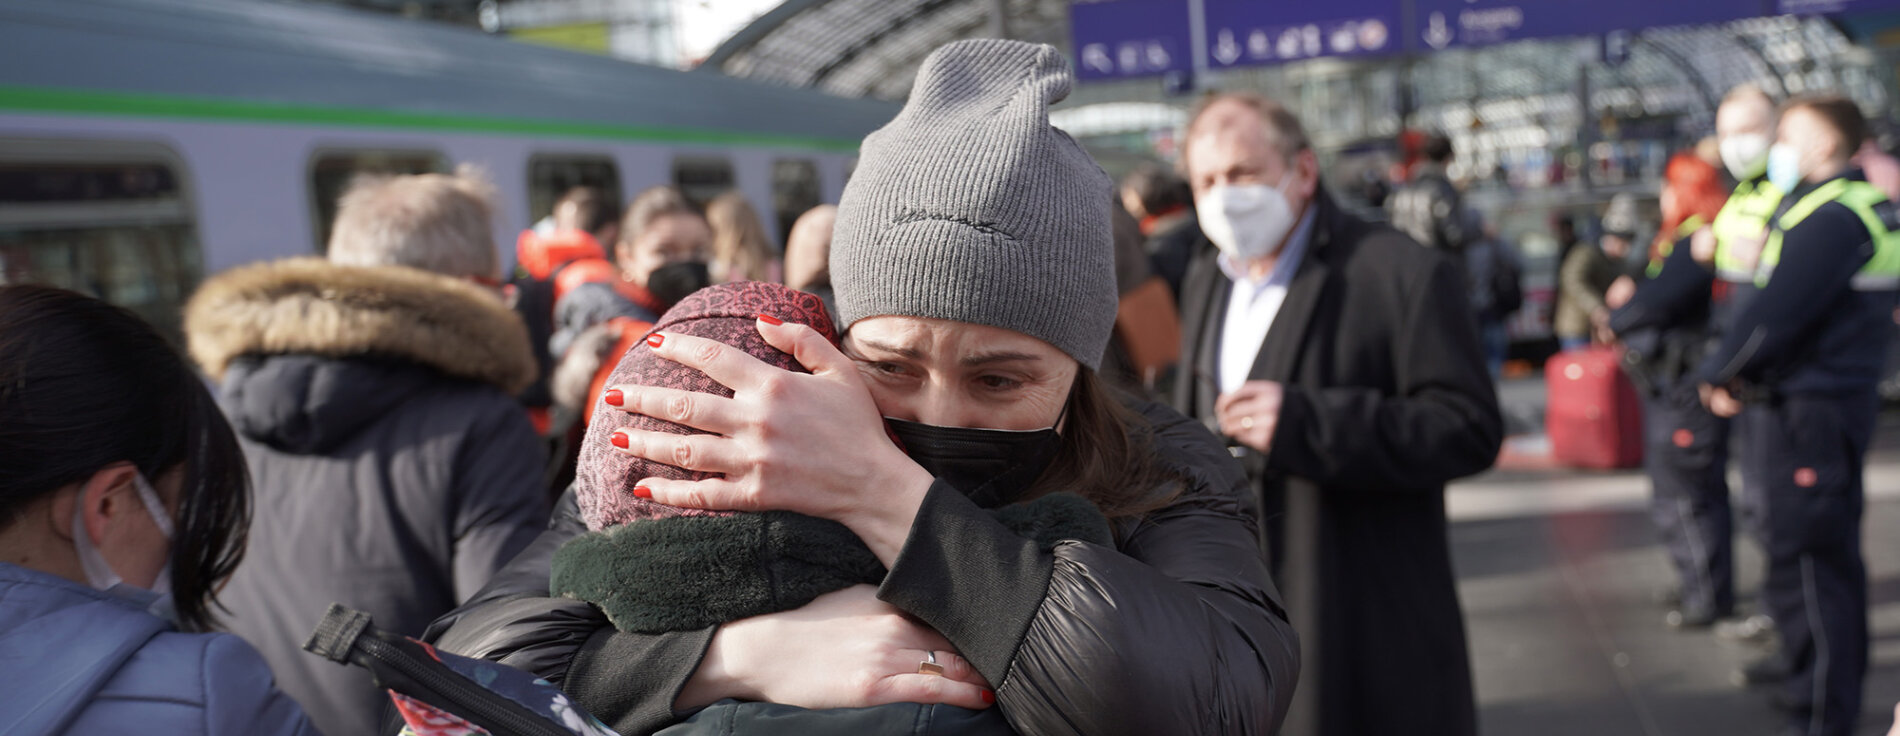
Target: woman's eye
(999, 383)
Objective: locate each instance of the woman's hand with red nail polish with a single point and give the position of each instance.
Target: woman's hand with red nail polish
(775, 442)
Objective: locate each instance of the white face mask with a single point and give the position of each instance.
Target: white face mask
(1784, 167)
(99, 574)
(1247, 221)
(1744, 154)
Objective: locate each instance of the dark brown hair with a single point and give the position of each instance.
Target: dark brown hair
(1159, 189)
(652, 205)
(84, 385)
(593, 210)
(1107, 456)
(1839, 113)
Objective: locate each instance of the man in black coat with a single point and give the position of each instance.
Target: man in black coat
(1339, 358)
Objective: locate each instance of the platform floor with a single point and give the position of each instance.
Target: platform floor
(1556, 572)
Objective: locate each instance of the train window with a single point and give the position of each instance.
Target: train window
(332, 171)
(107, 218)
(794, 190)
(550, 176)
(700, 178)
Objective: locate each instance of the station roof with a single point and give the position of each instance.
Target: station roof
(872, 48)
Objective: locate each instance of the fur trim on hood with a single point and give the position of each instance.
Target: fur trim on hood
(312, 306)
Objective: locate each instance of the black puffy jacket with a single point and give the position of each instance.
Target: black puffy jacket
(1178, 630)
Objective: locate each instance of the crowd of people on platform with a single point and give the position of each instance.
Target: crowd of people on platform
(996, 446)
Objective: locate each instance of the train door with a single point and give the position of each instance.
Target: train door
(795, 188)
(112, 219)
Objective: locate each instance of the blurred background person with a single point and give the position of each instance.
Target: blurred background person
(1340, 358)
(1161, 201)
(1729, 248)
(808, 254)
(1881, 169)
(1587, 273)
(584, 222)
(1804, 357)
(662, 256)
(124, 508)
(1495, 276)
(548, 262)
(1664, 326)
(373, 396)
(1429, 207)
(1146, 342)
(740, 249)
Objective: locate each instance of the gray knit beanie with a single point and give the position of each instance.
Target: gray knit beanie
(970, 207)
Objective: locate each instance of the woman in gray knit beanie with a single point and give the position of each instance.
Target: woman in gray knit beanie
(974, 277)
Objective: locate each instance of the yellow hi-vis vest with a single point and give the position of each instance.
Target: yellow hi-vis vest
(1882, 271)
(1743, 219)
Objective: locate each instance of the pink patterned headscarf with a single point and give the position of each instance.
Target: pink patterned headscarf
(605, 478)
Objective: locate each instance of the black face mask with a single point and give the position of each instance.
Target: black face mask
(673, 282)
(993, 467)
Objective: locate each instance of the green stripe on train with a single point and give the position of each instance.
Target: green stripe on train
(131, 104)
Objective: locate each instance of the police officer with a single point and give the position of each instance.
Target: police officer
(1666, 327)
(1804, 355)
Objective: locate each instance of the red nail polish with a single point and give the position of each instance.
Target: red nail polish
(642, 492)
(654, 340)
(989, 698)
(620, 440)
(612, 397)
(769, 319)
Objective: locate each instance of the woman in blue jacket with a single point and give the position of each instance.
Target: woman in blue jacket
(124, 504)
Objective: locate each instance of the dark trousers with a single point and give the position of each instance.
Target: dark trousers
(1810, 453)
(1686, 455)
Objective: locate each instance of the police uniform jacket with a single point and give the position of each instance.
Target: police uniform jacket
(1827, 281)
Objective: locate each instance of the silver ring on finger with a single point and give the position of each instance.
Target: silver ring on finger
(1246, 422)
(930, 666)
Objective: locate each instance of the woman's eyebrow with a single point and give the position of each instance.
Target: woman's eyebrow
(998, 357)
(902, 351)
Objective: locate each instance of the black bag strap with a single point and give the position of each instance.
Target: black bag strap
(347, 636)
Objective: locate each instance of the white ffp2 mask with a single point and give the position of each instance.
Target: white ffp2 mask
(1247, 221)
(1744, 154)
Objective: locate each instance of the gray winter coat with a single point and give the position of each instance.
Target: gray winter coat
(393, 472)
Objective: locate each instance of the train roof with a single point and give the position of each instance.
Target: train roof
(280, 62)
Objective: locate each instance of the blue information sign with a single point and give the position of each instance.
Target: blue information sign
(1243, 32)
(1129, 38)
(1446, 23)
(1832, 7)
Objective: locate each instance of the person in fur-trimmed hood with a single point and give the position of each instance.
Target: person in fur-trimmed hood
(372, 392)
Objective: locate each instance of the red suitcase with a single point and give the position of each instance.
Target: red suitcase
(1591, 414)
